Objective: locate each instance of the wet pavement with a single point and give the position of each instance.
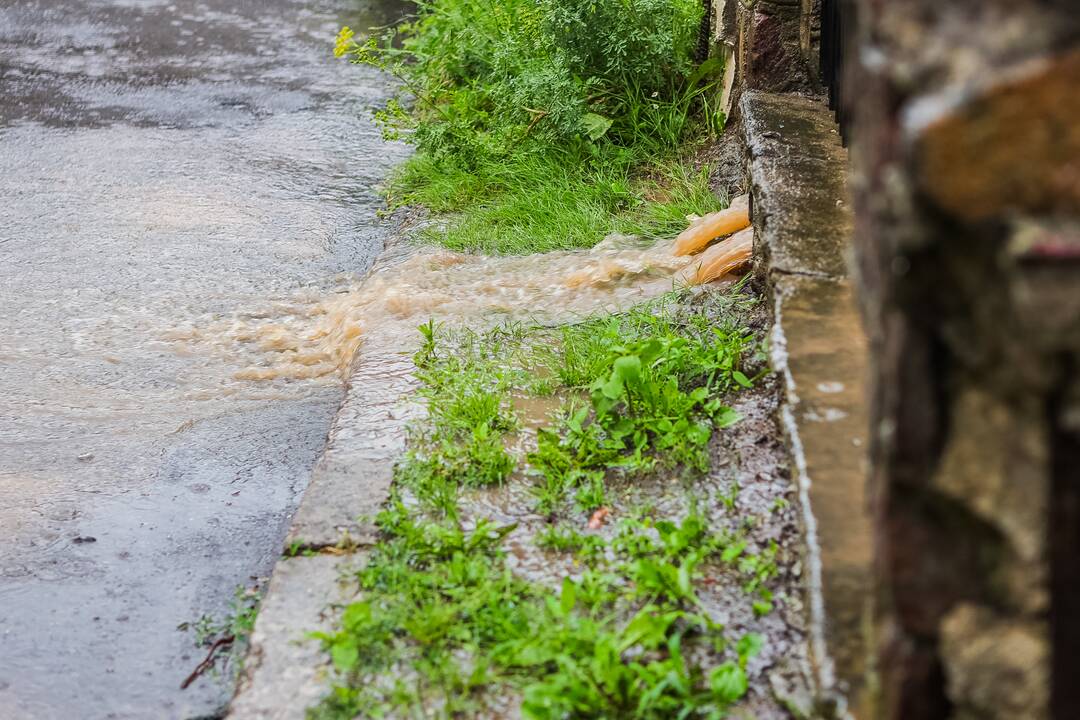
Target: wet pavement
(165, 167)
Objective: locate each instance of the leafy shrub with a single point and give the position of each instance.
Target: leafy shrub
(552, 104)
(487, 74)
(645, 44)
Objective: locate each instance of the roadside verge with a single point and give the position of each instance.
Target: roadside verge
(803, 224)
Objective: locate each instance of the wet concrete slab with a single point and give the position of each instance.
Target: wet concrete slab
(803, 225)
(351, 481)
(286, 671)
(167, 170)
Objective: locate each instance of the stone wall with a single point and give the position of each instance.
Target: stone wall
(966, 146)
(769, 41)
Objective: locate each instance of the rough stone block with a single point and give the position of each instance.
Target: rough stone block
(997, 669)
(771, 45)
(997, 468)
(1012, 143)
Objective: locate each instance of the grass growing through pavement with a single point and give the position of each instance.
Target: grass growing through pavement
(444, 628)
(225, 638)
(547, 124)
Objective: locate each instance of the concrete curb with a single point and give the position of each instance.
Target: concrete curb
(803, 225)
(285, 671)
(352, 479)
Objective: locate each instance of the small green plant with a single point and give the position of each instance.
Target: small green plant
(469, 411)
(591, 493)
(426, 353)
(653, 387)
(568, 540)
(226, 638)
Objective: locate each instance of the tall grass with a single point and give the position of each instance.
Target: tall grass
(545, 124)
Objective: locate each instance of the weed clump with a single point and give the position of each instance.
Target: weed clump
(544, 124)
(225, 638)
(652, 389)
(445, 627)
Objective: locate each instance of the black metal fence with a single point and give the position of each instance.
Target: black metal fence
(837, 42)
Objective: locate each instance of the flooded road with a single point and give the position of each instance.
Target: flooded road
(165, 167)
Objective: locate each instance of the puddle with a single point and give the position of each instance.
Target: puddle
(536, 412)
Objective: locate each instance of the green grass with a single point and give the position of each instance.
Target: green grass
(547, 124)
(443, 627)
(530, 204)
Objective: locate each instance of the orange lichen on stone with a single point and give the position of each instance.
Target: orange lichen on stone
(1013, 145)
(706, 229)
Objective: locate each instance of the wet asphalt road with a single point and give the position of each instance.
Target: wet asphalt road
(164, 165)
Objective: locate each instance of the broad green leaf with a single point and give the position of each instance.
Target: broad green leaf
(602, 403)
(613, 388)
(728, 683)
(686, 584)
(356, 616)
(345, 654)
(628, 367)
(622, 428)
(712, 66)
(568, 597)
(595, 126)
(749, 645)
(726, 417)
(647, 628)
(762, 607)
(650, 351)
(699, 433)
(731, 552)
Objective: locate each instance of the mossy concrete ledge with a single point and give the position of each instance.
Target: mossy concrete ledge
(803, 227)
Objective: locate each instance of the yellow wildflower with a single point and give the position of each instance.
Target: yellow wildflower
(344, 41)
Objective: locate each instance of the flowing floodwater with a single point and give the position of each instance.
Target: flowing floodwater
(162, 164)
(315, 334)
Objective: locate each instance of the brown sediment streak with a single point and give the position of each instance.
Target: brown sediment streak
(721, 259)
(704, 230)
